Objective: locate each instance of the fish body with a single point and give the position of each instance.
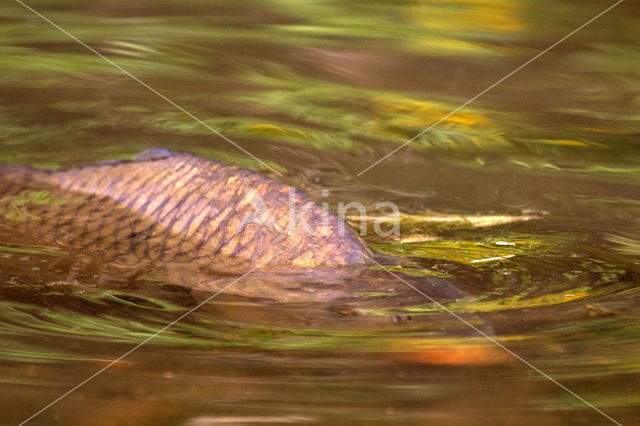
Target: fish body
(166, 205)
(178, 219)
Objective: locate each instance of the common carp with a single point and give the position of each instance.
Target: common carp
(168, 204)
(181, 212)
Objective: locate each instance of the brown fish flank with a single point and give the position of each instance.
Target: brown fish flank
(167, 205)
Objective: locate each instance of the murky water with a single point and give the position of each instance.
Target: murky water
(527, 200)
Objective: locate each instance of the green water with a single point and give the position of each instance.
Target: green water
(528, 199)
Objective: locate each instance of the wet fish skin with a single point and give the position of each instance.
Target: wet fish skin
(164, 205)
(176, 218)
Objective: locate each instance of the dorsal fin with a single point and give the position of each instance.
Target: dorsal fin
(153, 154)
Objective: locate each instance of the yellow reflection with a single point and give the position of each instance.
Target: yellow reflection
(453, 352)
(561, 142)
(521, 301)
(465, 27)
(499, 16)
(400, 111)
(270, 129)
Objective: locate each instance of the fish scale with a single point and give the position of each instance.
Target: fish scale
(164, 205)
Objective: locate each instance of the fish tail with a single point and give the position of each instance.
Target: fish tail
(15, 179)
